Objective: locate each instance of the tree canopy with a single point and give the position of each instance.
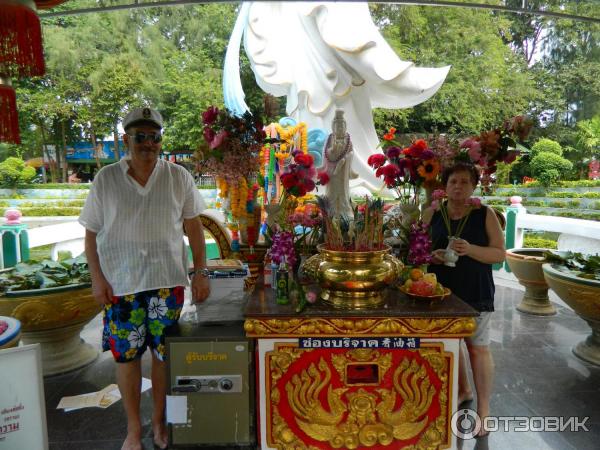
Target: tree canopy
(102, 64)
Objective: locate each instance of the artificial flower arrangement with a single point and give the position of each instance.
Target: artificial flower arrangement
(293, 223)
(230, 152)
(405, 170)
(486, 150)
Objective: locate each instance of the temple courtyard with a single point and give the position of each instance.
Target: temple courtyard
(537, 375)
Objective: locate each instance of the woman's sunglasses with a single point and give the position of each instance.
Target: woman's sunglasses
(141, 137)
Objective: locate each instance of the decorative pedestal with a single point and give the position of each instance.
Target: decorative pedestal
(526, 264)
(10, 332)
(54, 318)
(384, 378)
(583, 296)
(15, 245)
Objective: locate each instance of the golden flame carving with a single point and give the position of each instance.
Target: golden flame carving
(370, 417)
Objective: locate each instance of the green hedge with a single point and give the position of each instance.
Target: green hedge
(55, 186)
(48, 211)
(538, 242)
(560, 194)
(570, 184)
(577, 215)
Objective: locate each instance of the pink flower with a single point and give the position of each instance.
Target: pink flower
(438, 194)
(435, 204)
(473, 149)
(218, 139)
(475, 202)
(311, 297)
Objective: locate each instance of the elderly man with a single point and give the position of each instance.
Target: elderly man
(134, 217)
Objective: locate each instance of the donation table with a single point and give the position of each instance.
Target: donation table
(380, 378)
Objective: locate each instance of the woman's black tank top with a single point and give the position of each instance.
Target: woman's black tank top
(470, 280)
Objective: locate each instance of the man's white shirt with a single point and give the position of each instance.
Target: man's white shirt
(140, 229)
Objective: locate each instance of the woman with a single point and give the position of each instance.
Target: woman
(479, 245)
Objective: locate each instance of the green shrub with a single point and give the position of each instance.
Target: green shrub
(575, 203)
(596, 205)
(547, 146)
(557, 204)
(13, 173)
(534, 203)
(563, 194)
(56, 186)
(548, 167)
(591, 195)
(538, 242)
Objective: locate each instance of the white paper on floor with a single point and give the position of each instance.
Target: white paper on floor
(101, 399)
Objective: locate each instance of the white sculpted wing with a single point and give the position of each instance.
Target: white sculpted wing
(326, 55)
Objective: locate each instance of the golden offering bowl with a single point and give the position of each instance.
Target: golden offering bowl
(353, 280)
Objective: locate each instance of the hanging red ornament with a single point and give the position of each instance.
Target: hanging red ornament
(9, 118)
(21, 52)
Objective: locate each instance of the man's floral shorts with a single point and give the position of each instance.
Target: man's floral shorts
(134, 322)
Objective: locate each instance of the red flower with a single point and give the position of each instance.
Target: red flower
(308, 185)
(511, 156)
(323, 178)
(416, 149)
(210, 115)
(420, 144)
(393, 152)
(303, 159)
(389, 172)
(289, 180)
(209, 134)
(377, 160)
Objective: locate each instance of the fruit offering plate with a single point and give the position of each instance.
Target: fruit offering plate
(433, 297)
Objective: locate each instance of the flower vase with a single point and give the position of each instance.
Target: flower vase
(450, 255)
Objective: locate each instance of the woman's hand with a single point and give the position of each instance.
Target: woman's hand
(438, 256)
(461, 247)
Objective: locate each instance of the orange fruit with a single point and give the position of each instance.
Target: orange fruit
(416, 274)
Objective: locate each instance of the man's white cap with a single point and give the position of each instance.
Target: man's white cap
(143, 115)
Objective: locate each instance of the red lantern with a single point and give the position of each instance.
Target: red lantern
(21, 55)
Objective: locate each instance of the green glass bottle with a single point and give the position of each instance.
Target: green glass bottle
(282, 279)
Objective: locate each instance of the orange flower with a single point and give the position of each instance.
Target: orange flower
(390, 134)
(429, 169)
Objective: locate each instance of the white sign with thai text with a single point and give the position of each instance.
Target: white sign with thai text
(22, 404)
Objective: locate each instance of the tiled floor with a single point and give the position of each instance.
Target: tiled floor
(536, 375)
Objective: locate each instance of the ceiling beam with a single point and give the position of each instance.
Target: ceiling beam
(452, 4)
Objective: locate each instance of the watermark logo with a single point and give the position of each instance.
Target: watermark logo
(466, 423)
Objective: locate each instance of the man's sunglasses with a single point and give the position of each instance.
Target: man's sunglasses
(141, 137)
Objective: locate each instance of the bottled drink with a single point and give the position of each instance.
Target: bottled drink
(282, 283)
(268, 274)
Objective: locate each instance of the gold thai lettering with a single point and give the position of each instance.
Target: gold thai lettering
(190, 357)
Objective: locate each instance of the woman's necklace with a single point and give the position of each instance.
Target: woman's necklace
(347, 146)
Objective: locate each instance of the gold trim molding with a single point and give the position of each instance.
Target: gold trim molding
(358, 326)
